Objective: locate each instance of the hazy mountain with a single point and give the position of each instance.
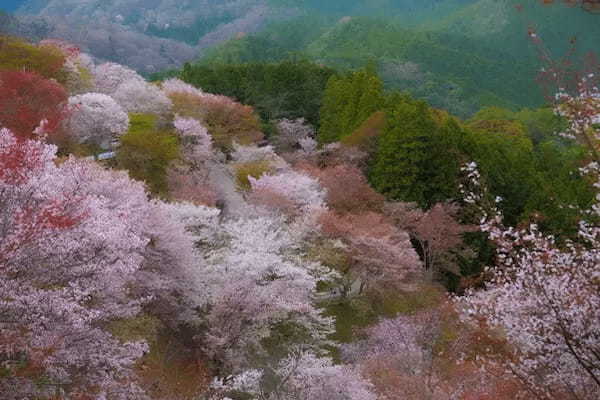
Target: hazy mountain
(457, 54)
(151, 35)
(148, 35)
(159, 16)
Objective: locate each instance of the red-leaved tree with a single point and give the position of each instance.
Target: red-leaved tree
(381, 254)
(27, 99)
(347, 189)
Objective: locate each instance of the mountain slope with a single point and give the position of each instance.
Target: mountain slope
(428, 64)
(146, 35)
(477, 55)
(165, 18)
(457, 54)
(504, 24)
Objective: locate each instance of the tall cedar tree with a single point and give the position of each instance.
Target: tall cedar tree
(287, 89)
(348, 101)
(417, 159)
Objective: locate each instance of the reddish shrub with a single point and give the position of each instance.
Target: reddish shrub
(380, 253)
(437, 232)
(26, 99)
(368, 224)
(347, 188)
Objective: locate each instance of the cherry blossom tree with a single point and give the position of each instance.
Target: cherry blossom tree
(348, 189)
(331, 155)
(290, 191)
(308, 145)
(227, 121)
(429, 354)
(253, 279)
(173, 86)
(252, 153)
(545, 297)
(139, 96)
(291, 133)
(582, 110)
(193, 185)
(78, 66)
(189, 179)
(80, 248)
(109, 76)
(96, 118)
(437, 232)
(64, 271)
(302, 375)
(170, 270)
(196, 142)
(573, 89)
(381, 254)
(68, 49)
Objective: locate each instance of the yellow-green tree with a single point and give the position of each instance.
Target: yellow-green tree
(18, 55)
(146, 151)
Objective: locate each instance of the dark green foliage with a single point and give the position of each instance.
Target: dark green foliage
(507, 163)
(530, 167)
(481, 253)
(541, 124)
(289, 89)
(163, 75)
(538, 124)
(421, 151)
(418, 159)
(538, 183)
(348, 102)
(562, 192)
(147, 151)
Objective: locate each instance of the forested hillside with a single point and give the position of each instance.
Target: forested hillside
(477, 56)
(286, 219)
(458, 55)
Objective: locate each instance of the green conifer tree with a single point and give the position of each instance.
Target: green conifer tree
(419, 154)
(348, 101)
(403, 152)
